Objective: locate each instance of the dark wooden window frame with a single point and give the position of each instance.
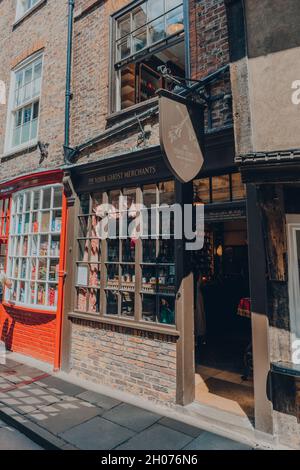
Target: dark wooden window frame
(137, 320)
(115, 65)
(211, 191)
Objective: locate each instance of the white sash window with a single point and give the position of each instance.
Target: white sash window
(23, 6)
(24, 105)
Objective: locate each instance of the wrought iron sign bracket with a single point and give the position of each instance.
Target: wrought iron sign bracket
(197, 90)
(70, 154)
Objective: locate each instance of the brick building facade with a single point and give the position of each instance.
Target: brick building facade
(128, 314)
(40, 32)
(99, 131)
(48, 30)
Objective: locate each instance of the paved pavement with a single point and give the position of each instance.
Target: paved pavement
(58, 414)
(11, 439)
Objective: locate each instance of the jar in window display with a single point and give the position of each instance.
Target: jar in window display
(166, 313)
(52, 296)
(41, 295)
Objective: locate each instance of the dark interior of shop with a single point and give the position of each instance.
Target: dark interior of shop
(222, 316)
(140, 79)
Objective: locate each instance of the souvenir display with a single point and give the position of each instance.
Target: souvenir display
(34, 251)
(115, 274)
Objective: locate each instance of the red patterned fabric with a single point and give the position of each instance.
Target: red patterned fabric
(244, 308)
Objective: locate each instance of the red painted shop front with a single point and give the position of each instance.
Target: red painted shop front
(32, 246)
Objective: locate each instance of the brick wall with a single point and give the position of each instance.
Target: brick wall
(209, 36)
(210, 51)
(46, 28)
(28, 333)
(91, 64)
(140, 363)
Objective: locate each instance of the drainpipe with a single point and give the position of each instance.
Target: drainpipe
(68, 97)
(68, 75)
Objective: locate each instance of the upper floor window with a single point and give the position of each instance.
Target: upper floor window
(24, 104)
(149, 35)
(23, 6)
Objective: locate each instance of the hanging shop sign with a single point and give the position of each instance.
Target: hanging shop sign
(181, 135)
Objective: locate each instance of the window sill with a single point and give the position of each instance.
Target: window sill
(142, 326)
(129, 112)
(286, 368)
(28, 13)
(17, 151)
(18, 307)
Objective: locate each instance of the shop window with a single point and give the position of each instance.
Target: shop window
(88, 256)
(293, 233)
(120, 261)
(219, 189)
(4, 218)
(238, 187)
(24, 105)
(123, 275)
(34, 247)
(202, 191)
(4, 226)
(158, 258)
(146, 37)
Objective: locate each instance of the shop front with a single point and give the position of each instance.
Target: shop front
(129, 319)
(122, 323)
(33, 219)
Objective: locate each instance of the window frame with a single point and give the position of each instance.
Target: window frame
(231, 199)
(116, 66)
(4, 219)
(14, 235)
(12, 109)
(21, 14)
(137, 318)
(293, 226)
